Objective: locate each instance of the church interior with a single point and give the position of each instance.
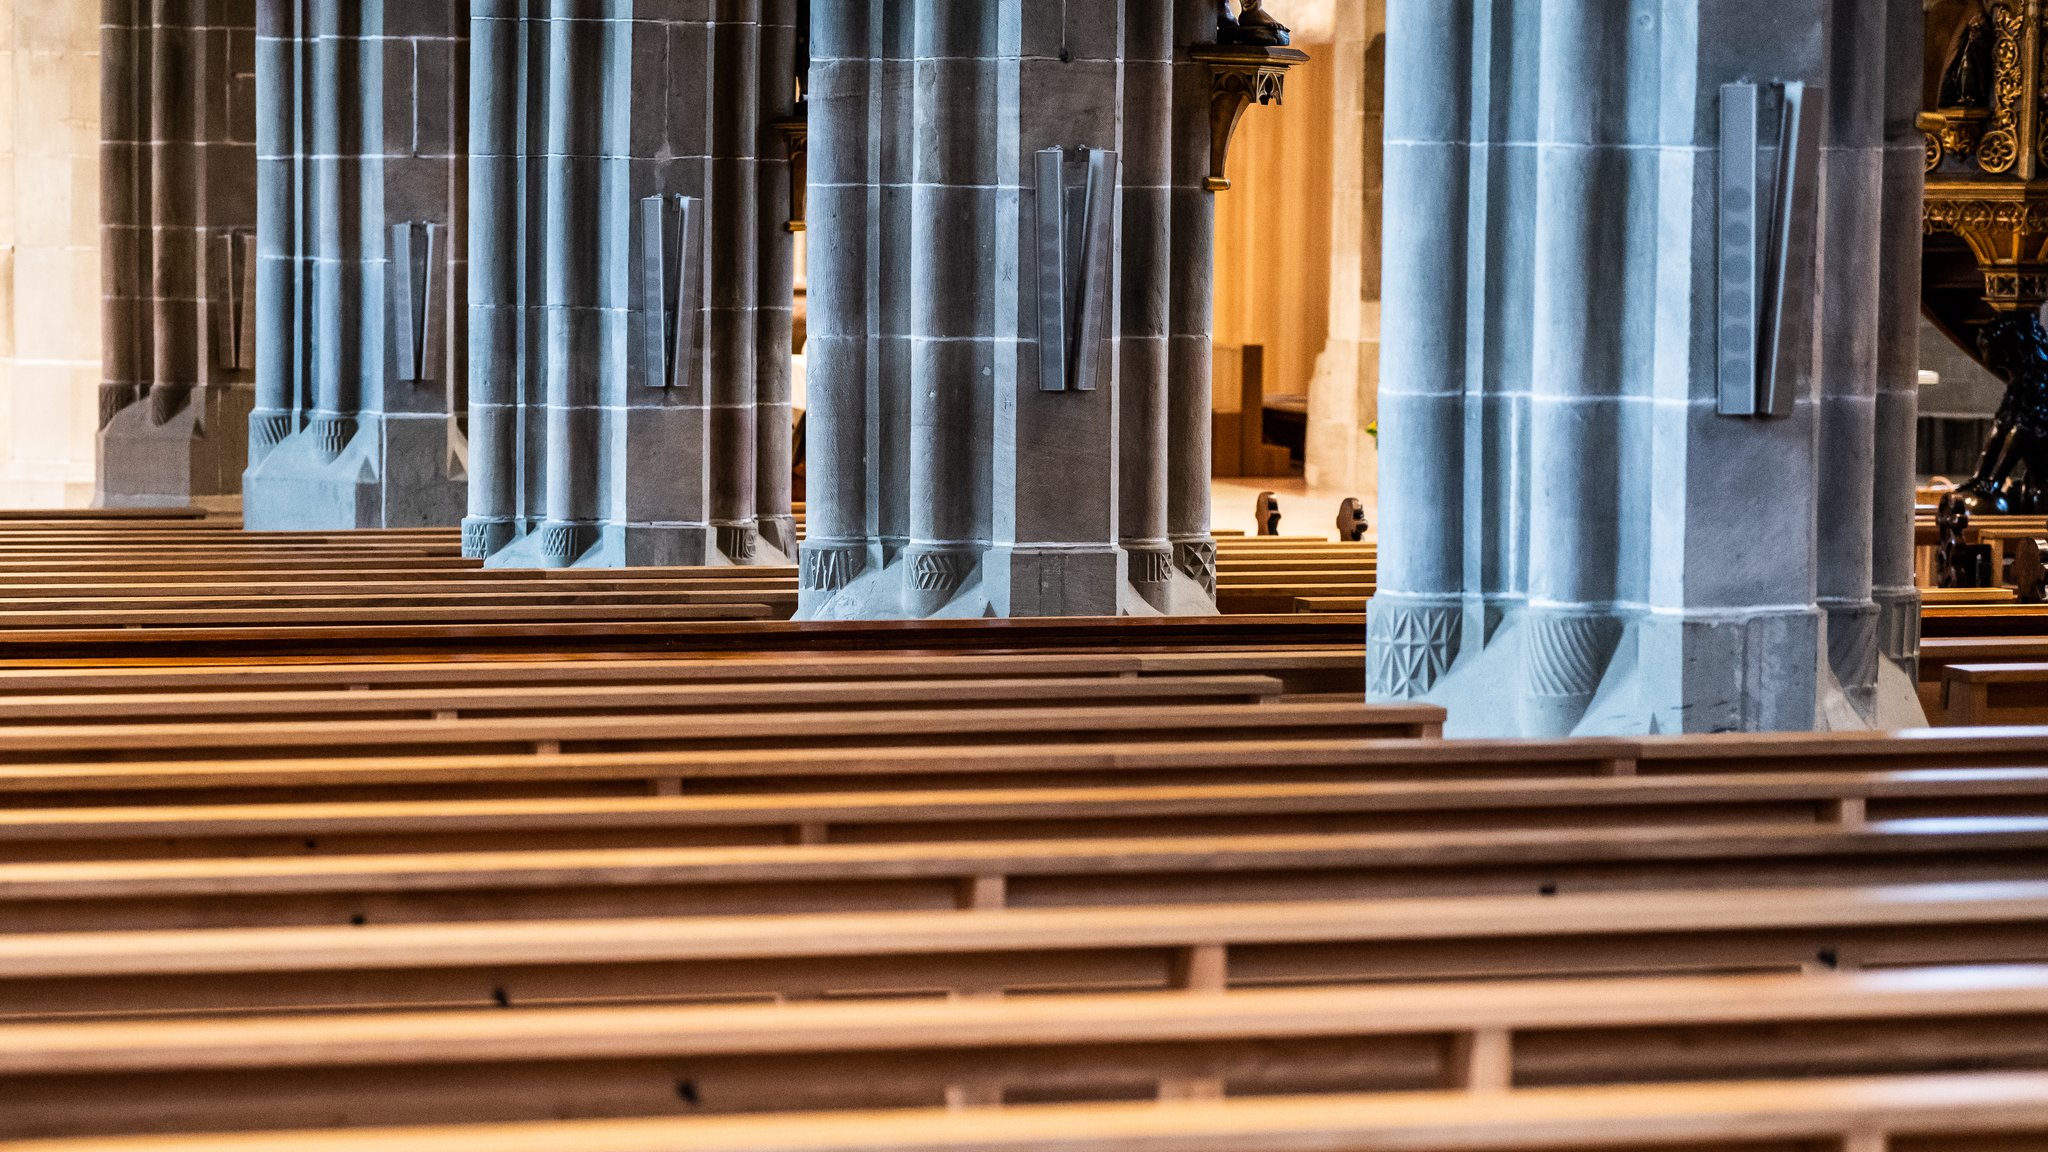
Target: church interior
(1023, 576)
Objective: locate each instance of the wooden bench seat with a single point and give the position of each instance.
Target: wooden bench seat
(71, 896)
(1301, 669)
(1041, 950)
(1330, 604)
(888, 727)
(1222, 754)
(542, 699)
(304, 643)
(82, 1078)
(1935, 1112)
(581, 822)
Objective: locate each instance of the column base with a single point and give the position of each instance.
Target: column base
(195, 451)
(1555, 671)
(1053, 581)
(391, 473)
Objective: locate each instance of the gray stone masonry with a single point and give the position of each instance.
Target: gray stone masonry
(631, 289)
(178, 197)
(1011, 249)
(1575, 539)
(361, 278)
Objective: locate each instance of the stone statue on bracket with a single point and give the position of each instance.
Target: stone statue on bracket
(2015, 349)
(1251, 27)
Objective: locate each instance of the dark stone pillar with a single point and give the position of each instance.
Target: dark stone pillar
(626, 171)
(179, 218)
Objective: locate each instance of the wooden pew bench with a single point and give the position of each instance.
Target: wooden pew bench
(1934, 1112)
(791, 697)
(1036, 813)
(1227, 753)
(1988, 694)
(1038, 950)
(888, 727)
(112, 1077)
(523, 884)
(1301, 669)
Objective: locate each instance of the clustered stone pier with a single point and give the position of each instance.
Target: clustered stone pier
(1010, 284)
(178, 233)
(1580, 531)
(360, 282)
(633, 288)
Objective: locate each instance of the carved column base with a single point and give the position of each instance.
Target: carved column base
(1151, 574)
(739, 543)
(1196, 559)
(482, 537)
(562, 543)
(1410, 644)
(1853, 651)
(934, 578)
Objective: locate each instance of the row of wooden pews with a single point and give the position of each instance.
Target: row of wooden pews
(1090, 886)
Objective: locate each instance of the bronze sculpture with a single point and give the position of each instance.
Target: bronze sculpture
(2015, 348)
(1253, 26)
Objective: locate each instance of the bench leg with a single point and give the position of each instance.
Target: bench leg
(1481, 1061)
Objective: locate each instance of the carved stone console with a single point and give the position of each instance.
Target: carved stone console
(1244, 76)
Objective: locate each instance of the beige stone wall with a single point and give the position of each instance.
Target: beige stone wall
(49, 251)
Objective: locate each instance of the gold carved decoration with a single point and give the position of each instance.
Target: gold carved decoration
(1243, 76)
(1983, 156)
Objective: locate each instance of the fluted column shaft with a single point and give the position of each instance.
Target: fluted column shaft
(776, 263)
(1191, 307)
(1143, 383)
(1413, 622)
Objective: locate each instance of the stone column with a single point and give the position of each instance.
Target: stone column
(363, 235)
(1414, 627)
(1055, 499)
(178, 195)
(775, 304)
(1191, 314)
(1145, 352)
(1344, 395)
(50, 275)
(1850, 292)
(620, 165)
(1897, 703)
(1675, 532)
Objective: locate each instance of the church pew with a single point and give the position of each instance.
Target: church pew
(1985, 694)
(751, 607)
(529, 885)
(94, 517)
(1930, 1112)
(1281, 595)
(1327, 605)
(1301, 669)
(542, 963)
(90, 643)
(540, 698)
(1037, 723)
(1085, 756)
(492, 1066)
(173, 830)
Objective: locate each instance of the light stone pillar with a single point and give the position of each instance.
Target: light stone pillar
(178, 96)
(996, 483)
(1898, 371)
(1343, 396)
(362, 278)
(632, 283)
(1613, 554)
(49, 254)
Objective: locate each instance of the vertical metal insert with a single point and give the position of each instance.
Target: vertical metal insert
(413, 251)
(672, 285)
(1075, 289)
(1767, 239)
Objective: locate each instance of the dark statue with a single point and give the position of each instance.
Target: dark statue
(1966, 82)
(1252, 27)
(2015, 348)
